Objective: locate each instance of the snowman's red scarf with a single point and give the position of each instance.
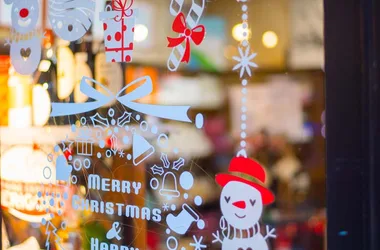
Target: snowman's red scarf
(231, 233)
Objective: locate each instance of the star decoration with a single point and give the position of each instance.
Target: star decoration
(69, 144)
(165, 207)
(121, 153)
(198, 243)
(244, 62)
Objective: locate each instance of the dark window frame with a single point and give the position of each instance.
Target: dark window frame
(352, 52)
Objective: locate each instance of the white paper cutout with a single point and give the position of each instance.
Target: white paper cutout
(25, 52)
(246, 215)
(119, 28)
(25, 41)
(192, 20)
(175, 7)
(71, 19)
(24, 14)
(244, 62)
(242, 201)
(197, 243)
(239, 214)
(195, 12)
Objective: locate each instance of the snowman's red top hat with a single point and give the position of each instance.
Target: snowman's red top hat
(249, 172)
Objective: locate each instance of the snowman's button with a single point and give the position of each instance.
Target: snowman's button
(240, 248)
(249, 248)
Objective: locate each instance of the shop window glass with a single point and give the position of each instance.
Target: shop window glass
(162, 125)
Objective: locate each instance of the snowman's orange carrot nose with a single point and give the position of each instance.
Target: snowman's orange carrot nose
(239, 204)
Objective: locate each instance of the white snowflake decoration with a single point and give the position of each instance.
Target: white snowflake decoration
(198, 243)
(244, 61)
(165, 207)
(121, 153)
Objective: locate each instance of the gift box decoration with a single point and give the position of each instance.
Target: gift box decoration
(84, 143)
(85, 147)
(119, 27)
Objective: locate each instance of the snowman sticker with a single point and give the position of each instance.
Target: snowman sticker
(242, 200)
(25, 41)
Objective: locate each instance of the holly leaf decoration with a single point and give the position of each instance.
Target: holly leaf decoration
(157, 170)
(165, 161)
(99, 122)
(178, 163)
(124, 119)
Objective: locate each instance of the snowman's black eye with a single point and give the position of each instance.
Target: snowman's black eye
(252, 202)
(227, 198)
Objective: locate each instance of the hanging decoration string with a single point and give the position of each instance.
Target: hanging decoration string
(243, 66)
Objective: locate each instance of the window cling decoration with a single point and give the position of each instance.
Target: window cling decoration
(70, 20)
(239, 226)
(25, 40)
(119, 27)
(188, 30)
(170, 179)
(244, 194)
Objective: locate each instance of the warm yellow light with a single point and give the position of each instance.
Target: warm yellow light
(44, 66)
(25, 169)
(240, 32)
(270, 39)
(49, 53)
(141, 33)
(41, 105)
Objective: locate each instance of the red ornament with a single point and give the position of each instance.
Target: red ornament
(67, 153)
(118, 36)
(109, 142)
(197, 34)
(121, 5)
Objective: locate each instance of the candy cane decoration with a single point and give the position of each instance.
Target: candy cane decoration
(181, 50)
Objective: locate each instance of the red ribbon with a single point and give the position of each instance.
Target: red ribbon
(197, 34)
(121, 5)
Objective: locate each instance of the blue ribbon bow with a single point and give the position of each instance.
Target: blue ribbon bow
(177, 113)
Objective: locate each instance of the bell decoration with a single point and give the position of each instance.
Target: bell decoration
(169, 186)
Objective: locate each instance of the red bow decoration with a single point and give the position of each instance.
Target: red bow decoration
(197, 34)
(121, 5)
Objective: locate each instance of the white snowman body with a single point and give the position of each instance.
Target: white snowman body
(242, 206)
(257, 242)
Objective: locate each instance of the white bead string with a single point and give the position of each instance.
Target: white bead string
(244, 81)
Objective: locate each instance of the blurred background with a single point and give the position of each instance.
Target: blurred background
(284, 118)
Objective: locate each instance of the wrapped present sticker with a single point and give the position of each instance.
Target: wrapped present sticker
(119, 26)
(84, 143)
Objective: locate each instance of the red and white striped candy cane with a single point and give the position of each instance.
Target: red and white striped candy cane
(192, 20)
